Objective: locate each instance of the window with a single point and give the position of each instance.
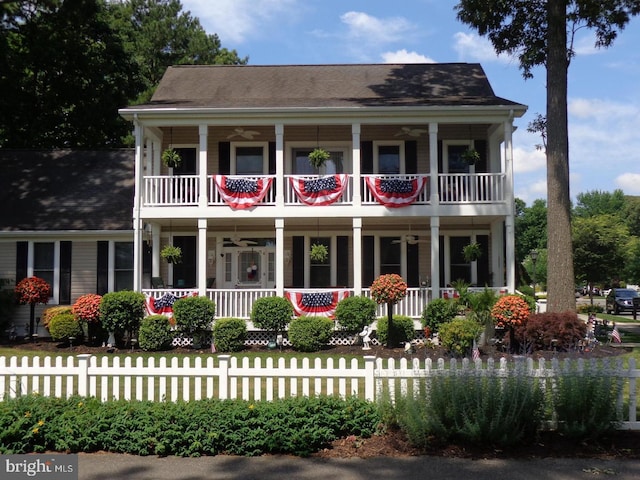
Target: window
(189, 165)
(44, 261)
(123, 266)
(455, 163)
(389, 161)
(320, 272)
(301, 165)
(460, 268)
(250, 160)
(390, 255)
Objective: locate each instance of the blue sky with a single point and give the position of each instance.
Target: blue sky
(604, 84)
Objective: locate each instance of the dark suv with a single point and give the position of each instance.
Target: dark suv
(619, 300)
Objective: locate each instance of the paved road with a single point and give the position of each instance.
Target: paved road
(115, 467)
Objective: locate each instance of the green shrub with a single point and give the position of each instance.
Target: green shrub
(354, 313)
(437, 312)
(404, 327)
(50, 312)
(229, 334)
(120, 311)
(457, 336)
(294, 426)
(63, 326)
(194, 314)
(310, 334)
(155, 333)
(585, 397)
(271, 313)
(587, 309)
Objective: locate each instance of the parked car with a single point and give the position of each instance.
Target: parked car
(619, 300)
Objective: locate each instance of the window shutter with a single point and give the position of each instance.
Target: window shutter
(102, 281)
(298, 262)
(482, 164)
(411, 157)
(272, 158)
(368, 260)
(413, 272)
(64, 297)
(366, 157)
(224, 158)
(22, 256)
(342, 257)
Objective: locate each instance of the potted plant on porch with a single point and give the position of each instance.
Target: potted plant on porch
(319, 253)
(472, 252)
(318, 157)
(171, 254)
(471, 156)
(171, 158)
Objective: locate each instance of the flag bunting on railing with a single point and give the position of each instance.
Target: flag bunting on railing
(240, 192)
(316, 304)
(164, 304)
(395, 192)
(324, 190)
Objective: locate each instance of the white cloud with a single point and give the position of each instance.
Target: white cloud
(403, 56)
(377, 30)
(586, 45)
(629, 183)
(525, 161)
(474, 47)
(236, 20)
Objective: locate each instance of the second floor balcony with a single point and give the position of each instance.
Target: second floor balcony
(244, 191)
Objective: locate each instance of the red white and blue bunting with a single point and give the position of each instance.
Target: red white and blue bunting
(241, 192)
(316, 304)
(324, 190)
(395, 192)
(163, 305)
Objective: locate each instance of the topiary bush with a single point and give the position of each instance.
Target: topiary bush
(229, 334)
(155, 333)
(354, 313)
(51, 312)
(272, 313)
(457, 335)
(404, 325)
(550, 330)
(122, 311)
(64, 326)
(194, 314)
(310, 334)
(437, 312)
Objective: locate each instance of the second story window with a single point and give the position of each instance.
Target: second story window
(250, 160)
(301, 165)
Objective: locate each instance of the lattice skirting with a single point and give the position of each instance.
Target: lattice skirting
(262, 338)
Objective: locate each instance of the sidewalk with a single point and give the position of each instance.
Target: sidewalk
(109, 466)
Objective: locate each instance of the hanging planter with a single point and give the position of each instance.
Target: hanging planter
(319, 253)
(471, 156)
(171, 158)
(318, 157)
(472, 252)
(171, 254)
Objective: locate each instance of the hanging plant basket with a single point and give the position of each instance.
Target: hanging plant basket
(171, 158)
(318, 157)
(472, 252)
(319, 253)
(171, 254)
(471, 156)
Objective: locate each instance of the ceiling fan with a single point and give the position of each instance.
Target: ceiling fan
(240, 242)
(411, 132)
(241, 132)
(410, 240)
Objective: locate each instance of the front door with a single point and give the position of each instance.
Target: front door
(249, 267)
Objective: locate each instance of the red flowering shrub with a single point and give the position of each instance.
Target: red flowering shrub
(33, 290)
(510, 311)
(87, 308)
(389, 288)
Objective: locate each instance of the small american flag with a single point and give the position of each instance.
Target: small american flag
(475, 353)
(615, 335)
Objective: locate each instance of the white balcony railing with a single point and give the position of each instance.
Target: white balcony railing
(171, 190)
(474, 188)
(215, 197)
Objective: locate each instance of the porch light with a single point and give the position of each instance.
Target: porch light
(287, 257)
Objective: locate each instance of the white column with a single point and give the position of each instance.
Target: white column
(433, 164)
(355, 154)
(357, 256)
(202, 257)
(202, 166)
(279, 224)
(510, 219)
(138, 133)
(155, 250)
(280, 168)
(497, 255)
(435, 257)
(510, 253)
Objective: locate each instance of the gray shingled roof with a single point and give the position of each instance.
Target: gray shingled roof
(336, 86)
(66, 190)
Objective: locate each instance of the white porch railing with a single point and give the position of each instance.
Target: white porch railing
(176, 190)
(291, 198)
(476, 188)
(226, 377)
(216, 199)
(369, 199)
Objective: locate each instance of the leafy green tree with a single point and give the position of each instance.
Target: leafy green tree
(530, 228)
(536, 32)
(632, 214)
(597, 202)
(632, 262)
(599, 244)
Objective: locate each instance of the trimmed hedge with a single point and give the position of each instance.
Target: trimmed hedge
(403, 325)
(63, 326)
(229, 334)
(354, 313)
(310, 334)
(155, 333)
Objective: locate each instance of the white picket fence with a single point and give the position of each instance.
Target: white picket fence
(227, 377)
